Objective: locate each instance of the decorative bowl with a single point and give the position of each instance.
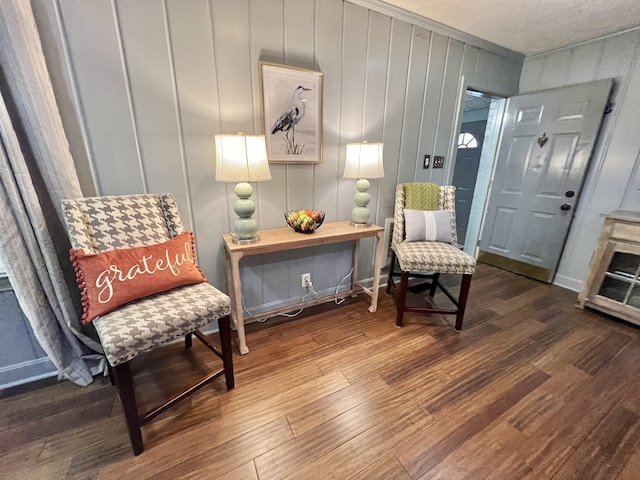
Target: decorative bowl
(304, 221)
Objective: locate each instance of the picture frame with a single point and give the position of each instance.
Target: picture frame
(291, 110)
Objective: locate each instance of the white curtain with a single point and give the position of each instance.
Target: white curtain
(36, 172)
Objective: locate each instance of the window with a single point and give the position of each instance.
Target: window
(467, 140)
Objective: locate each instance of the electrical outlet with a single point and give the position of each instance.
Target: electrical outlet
(426, 161)
(438, 161)
(306, 279)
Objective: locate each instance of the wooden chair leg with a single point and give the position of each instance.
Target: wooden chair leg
(402, 297)
(434, 284)
(124, 383)
(462, 302)
(224, 327)
(188, 340)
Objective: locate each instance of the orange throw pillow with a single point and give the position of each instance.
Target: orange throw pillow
(115, 277)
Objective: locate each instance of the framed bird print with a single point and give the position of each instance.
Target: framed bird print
(291, 102)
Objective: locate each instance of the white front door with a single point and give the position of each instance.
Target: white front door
(543, 154)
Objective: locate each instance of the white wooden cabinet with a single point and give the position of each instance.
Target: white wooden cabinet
(612, 284)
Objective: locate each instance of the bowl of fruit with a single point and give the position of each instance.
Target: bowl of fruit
(304, 221)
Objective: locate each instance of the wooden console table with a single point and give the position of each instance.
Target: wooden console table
(282, 239)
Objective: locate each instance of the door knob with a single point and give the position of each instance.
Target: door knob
(565, 206)
(569, 193)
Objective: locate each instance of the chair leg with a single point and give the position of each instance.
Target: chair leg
(462, 302)
(128, 400)
(434, 284)
(188, 340)
(224, 327)
(402, 297)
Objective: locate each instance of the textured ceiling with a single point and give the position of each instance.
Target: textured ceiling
(527, 26)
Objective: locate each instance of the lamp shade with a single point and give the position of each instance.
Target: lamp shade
(364, 160)
(241, 158)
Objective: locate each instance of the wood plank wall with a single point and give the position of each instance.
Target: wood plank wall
(613, 179)
(145, 85)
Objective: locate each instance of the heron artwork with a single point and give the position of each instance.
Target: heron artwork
(287, 122)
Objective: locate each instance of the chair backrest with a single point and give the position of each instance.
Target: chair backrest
(96, 224)
(447, 202)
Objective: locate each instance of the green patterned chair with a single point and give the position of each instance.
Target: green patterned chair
(424, 246)
(99, 224)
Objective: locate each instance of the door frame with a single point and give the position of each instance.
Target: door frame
(466, 169)
(489, 149)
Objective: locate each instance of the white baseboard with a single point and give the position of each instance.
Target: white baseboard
(292, 302)
(26, 372)
(33, 370)
(568, 282)
(213, 327)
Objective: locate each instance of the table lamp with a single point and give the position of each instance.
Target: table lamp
(363, 161)
(242, 158)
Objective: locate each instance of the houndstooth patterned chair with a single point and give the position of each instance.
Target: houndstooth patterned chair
(428, 259)
(97, 224)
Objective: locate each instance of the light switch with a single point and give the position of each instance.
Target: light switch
(426, 161)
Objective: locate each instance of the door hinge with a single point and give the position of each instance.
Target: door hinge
(608, 108)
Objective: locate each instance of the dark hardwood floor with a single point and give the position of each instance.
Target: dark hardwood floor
(531, 388)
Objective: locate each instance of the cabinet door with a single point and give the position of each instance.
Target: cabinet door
(616, 287)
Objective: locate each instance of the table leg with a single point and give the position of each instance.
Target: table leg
(354, 265)
(235, 293)
(377, 266)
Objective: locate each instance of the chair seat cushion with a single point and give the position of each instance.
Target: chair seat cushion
(147, 323)
(436, 257)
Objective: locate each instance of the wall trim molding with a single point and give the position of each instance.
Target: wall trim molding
(568, 283)
(402, 14)
(26, 372)
(291, 302)
(580, 44)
